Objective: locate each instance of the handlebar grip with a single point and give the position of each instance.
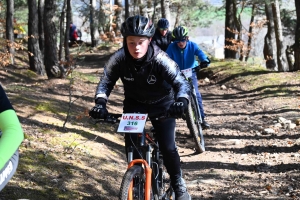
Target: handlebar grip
(110, 118)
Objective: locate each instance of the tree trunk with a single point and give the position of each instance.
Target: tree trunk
(67, 32)
(165, 9)
(296, 46)
(248, 49)
(41, 5)
(270, 46)
(289, 52)
(61, 32)
(177, 19)
(135, 7)
(36, 63)
(92, 22)
(126, 9)
(51, 60)
(143, 8)
(102, 19)
(154, 9)
(281, 59)
(118, 14)
(239, 43)
(9, 29)
(71, 11)
(150, 9)
(229, 28)
(109, 24)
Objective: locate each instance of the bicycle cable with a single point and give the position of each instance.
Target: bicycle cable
(136, 147)
(143, 158)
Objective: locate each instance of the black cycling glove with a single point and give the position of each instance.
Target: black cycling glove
(178, 108)
(99, 111)
(205, 64)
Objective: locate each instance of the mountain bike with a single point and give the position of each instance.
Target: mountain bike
(193, 116)
(146, 178)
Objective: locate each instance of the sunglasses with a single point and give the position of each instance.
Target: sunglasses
(163, 29)
(177, 41)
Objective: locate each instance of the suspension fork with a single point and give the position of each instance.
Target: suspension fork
(145, 162)
(196, 100)
(148, 173)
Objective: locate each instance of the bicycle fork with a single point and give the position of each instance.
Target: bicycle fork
(197, 105)
(147, 170)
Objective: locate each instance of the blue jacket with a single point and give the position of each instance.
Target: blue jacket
(185, 58)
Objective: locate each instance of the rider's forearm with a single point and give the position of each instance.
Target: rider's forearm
(7, 172)
(12, 135)
(201, 55)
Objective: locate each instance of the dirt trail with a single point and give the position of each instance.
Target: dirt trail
(243, 159)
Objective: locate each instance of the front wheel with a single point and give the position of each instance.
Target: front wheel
(194, 124)
(134, 175)
(161, 182)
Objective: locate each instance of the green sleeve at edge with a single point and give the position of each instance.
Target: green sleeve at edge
(12, 135)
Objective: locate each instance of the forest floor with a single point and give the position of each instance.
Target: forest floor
(250, 152)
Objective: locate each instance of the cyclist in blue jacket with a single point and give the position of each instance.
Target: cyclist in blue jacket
(152, 84)
(183, 52)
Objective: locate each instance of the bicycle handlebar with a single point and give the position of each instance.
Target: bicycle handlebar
(114, 118)
(110, 118)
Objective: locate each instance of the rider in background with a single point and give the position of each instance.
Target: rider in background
(151, 81)
(11, 137)
(73, 33)
(18, 30)
(162, 36)
(183, 52)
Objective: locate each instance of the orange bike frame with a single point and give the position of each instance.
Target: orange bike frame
(148, 172)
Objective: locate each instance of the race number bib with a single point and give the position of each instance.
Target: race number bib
(132, 123)
(187, 72)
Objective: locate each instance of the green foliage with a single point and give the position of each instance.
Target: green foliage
(20, 4)
(46, 106)
(289, 21)
(202, 14)
(199, 14)
(30, 74)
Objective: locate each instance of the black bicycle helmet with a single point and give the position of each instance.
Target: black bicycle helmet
(180, 33)
(163, 23)
(137, 26)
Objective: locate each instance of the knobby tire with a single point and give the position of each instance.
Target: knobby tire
(161, 184)
(135, 172)
(195, 126)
